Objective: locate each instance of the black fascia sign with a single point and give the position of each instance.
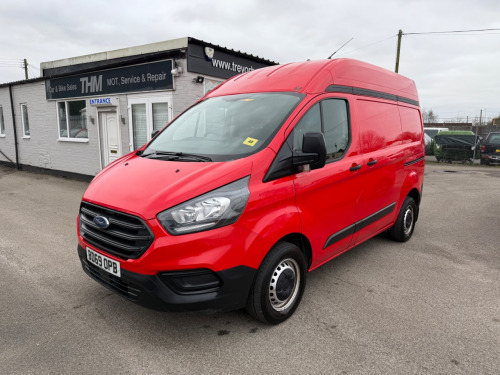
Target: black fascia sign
(136, 78)
(217, 63)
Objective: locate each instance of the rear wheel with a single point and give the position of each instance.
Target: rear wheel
(405, 223)
(279, 284)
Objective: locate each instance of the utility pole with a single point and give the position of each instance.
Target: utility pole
(475, 139)
(25, 65)
(400, 34)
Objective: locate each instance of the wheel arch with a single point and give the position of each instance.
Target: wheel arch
(301, 241)
(415, 194)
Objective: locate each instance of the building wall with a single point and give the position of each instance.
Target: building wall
(187, 92)
(43, 148)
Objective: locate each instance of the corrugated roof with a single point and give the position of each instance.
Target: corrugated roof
(25, 81)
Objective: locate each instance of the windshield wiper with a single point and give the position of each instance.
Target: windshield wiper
(175, 156)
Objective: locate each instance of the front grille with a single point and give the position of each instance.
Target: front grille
(126, 237)
(116, 284)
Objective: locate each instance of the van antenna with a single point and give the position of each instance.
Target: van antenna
(340, 48)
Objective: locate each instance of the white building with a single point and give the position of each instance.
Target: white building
(84, 112)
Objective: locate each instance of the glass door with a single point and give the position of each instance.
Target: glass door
(147, 115)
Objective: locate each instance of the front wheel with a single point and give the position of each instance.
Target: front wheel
(405, 223)
(279, 284)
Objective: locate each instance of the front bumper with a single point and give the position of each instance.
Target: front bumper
(174, 291)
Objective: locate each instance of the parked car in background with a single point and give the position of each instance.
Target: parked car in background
(455, 145)
(429, 134)
(490, 149)
(432, 132)
(428, 144)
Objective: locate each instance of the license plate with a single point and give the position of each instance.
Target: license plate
(103, 262)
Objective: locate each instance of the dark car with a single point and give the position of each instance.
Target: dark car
(490, 149)
(455, 145)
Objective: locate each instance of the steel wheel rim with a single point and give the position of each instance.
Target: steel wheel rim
(284, 284)
(408, 220)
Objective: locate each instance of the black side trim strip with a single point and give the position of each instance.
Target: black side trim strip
(414, 161)
(371, 93)
(346, 232)
(351, 229)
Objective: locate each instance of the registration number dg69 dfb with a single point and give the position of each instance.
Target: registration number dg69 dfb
(103, 262)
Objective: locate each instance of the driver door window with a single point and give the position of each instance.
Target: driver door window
(330, 118)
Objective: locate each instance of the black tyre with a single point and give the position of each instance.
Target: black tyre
(405, 223)
(279, 284)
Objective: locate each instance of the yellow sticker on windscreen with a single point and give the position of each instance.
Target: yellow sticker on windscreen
(250, 141)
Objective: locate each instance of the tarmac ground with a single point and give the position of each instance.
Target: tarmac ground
(427, 306)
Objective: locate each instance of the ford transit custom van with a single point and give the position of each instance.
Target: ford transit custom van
(266, 178)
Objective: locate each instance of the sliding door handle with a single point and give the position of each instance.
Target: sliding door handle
(355, 167)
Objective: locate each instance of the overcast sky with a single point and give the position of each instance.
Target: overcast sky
(457, 74)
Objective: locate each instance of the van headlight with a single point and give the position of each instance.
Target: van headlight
(215, 209)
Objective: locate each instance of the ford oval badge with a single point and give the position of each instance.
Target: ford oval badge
(101, 222)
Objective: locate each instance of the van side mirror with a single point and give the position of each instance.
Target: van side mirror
(153, 134)
(313, 151)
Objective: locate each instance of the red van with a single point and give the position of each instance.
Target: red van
(267, 177)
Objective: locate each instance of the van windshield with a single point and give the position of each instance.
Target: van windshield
(224, 128)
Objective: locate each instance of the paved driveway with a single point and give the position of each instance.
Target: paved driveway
(429, 306)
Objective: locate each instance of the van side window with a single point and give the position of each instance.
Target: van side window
(411, 124)
(330, 118)
(379, 125)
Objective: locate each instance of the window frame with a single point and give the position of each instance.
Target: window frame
(25, 121)
(148, 100)
(68, 138)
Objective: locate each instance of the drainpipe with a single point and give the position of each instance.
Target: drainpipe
(15, 129)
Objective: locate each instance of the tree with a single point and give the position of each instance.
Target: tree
(429, 117)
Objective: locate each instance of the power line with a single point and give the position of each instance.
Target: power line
(368, 45)
(453, 31)
(31, 73)
(10, 63)
(400, 34)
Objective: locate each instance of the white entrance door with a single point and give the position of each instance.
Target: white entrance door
(110, 137)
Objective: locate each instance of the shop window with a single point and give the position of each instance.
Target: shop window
(148, 115)
(160, 115)
(72, 119)
(25, 120)
(2, 124)
(139, 125)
